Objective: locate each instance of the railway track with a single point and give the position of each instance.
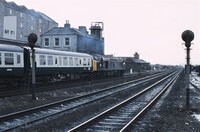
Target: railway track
(121, 116)
(20, 90)
(30, 116)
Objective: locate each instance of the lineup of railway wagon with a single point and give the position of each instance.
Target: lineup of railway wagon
(15, 64)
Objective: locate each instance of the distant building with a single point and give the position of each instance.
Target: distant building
(135, 64)
(17, 22)
(72, 39)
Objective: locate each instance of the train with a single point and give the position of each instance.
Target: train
(16, 63)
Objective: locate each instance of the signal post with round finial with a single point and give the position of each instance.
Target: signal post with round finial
(187, 36)
(32, 38)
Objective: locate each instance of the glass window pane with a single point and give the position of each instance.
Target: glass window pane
(60, 60)
(76, 61)
(50, 60)
(18, 59)
(65, 61)
(9, 59)
(70, 61)
(42, 59)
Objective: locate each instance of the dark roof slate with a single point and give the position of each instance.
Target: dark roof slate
(61, 31)
(65, 31)
(23, 9)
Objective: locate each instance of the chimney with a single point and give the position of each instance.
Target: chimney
(67, 25)
(136, 55)
(83, 30)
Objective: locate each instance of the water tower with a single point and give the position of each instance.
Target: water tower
(96, 29)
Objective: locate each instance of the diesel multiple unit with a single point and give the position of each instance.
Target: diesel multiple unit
(15, 63)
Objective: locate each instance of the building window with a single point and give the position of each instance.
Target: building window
(9, 59)
(40, 21)
(21, 25)
(40, 30)
(66, 41)
(12, 32)
(10, 11)
(21, 35)
(32, 27)
(6, 31)
(21, 14)
(46, 42)
(32, 18)
(56, 41)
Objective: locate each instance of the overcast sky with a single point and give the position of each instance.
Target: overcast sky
(152, 28)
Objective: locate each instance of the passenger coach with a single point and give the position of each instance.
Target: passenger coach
(15, 63)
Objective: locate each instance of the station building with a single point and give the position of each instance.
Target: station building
(77, 40)
(17, 22)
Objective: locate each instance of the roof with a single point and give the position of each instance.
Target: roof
(59, 52)
(61, 31)
(45, 16)
(23, 9)
(10, 48)
(99, 57)
(65, 31)
(138, 61)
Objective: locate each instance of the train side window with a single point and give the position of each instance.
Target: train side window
(76, 61)
(60, 61)
(9, 59)
(42, 59)
(70, 61)
(84, 62)
(65, 61)
(18, 59)
(106, 64)
(50, 60)
(88, 62)
(56, 60)
(0, 58)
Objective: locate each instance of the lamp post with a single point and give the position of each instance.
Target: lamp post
(187, 36)
(32, 38)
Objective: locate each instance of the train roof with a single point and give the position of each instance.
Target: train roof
(59, 52)
(15, 48)
(106, 57)
(11, 48)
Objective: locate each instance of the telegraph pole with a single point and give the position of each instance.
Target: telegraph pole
(32, 38)
(187, 36)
